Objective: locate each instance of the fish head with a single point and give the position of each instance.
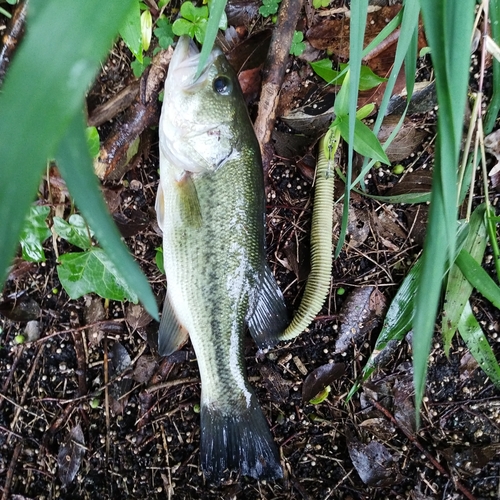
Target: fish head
(199, 123)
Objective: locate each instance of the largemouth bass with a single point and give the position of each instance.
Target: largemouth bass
(210, 207)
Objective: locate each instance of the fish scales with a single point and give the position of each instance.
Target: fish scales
(211, 208)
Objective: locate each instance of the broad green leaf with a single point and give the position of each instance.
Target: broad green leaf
(341, 104)
(448, 29)
(470, 330)
(75, 165)
(45, 85)
(478, 277)
(34, 233)
(368, 79)
(92, 272)
(365, 141)
(458, 288)
(217, 13)
(75, 231)
(130, 31)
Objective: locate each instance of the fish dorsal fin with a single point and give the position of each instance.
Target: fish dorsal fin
(171, 334)
(267, 317)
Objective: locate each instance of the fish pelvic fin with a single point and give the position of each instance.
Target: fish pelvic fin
(268, 316)
(238, 440)
(171, 335)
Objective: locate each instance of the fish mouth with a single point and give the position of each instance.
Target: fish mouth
(184, 63)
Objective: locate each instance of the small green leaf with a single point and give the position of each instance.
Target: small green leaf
(146, 29)
(164, 32)
(269, 7)
(159, 259)
(192, 13)
(92, 272)
(298, 46)
(93, 141)
(368, 79)
(183, 27)
(474, 337)
(341, 104)
(366, 142)
(75, 231)
(131, 31)
(478, 277)
(138, 67)
(458, 288)
(317, 4)
(321, 396)
(365, 111)
(34, 233)
(200, 29)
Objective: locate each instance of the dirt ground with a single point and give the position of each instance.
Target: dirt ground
(88, 410)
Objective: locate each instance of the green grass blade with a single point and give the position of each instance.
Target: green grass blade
(75, 164)
(405, 52)
(494, 106)
(43, 91)
(458, 288)
(448, 27)
(356, 37)
(474, 337)
(478, 277)
(215, 14)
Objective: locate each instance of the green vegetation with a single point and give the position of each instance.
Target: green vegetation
(49, 92)
(269, 7)
(298, 45)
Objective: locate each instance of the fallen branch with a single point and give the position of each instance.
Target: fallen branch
(273, 75)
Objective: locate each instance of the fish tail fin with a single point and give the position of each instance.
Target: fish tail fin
(239, 439)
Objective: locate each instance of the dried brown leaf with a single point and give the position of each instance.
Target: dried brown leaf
(408, 139)
(361, 313)
(320, 378)
(276, 385)
(374, 463)
(23, 308)
(137, 317)
(70, 455)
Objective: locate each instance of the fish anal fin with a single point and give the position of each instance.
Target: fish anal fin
(171, 334)
(237, 440)
(268, 317)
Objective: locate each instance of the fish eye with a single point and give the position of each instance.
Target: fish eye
(222, 85)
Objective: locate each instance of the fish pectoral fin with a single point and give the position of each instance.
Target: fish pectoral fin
(171, 334)
(160, 206)
(189, 204)
(268, 316)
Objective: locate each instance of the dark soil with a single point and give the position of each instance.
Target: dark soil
(65, 404)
